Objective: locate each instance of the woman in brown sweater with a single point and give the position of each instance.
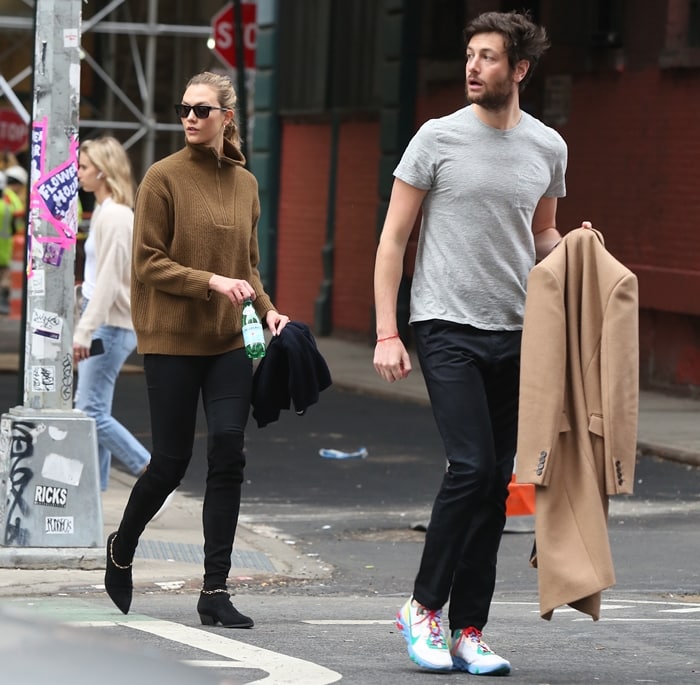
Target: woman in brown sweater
(194, 264)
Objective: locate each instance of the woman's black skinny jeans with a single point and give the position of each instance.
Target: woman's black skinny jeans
(174, 386)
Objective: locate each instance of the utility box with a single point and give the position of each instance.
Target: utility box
(49, 480)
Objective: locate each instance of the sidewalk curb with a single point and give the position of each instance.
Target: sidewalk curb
(44, 558)
(650, 449)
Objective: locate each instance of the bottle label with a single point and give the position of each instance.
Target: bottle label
(253, 333)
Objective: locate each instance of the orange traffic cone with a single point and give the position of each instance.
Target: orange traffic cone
(521, 498)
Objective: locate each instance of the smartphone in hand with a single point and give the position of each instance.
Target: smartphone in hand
(96, 347)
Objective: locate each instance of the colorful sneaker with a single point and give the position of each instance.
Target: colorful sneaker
(425, 636)
(471, 654)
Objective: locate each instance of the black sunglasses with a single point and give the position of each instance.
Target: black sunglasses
(200, 111)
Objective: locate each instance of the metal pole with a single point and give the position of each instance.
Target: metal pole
(48, 450)
(241, 77)
(323, 306)
(151, 54)
(53, 206)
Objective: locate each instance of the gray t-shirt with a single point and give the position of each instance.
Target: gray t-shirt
(476, 246)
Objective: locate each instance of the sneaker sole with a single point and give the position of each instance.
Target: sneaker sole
(414, 658)
(462, 665)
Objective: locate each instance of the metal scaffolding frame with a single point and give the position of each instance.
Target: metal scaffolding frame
(142, 121)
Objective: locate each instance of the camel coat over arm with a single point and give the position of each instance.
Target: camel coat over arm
(577, 426)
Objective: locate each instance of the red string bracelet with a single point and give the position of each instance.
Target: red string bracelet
(388, 337)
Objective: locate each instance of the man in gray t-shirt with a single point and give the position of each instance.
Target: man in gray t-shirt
(486, 179)
(476, 243)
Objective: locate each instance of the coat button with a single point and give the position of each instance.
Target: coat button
(539, 471)
(543, 454)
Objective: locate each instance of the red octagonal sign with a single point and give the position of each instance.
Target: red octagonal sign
(14, 133)
(223, 26)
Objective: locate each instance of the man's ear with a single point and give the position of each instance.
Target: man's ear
(521, 69)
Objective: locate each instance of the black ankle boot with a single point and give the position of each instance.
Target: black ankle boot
(214, 608)
(118, 581)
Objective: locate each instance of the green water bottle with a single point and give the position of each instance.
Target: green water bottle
(253, 337)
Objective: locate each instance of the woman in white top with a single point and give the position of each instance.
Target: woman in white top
(104, 170)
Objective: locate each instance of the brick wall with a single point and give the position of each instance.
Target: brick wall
(633, 151)
(669, 351)
(632, 171)
(356, 227)
(303, 206)
(303, 199)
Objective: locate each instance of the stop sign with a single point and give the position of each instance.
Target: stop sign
(14, 133)
(223, 26)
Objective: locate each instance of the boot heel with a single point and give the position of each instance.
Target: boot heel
(215, 608)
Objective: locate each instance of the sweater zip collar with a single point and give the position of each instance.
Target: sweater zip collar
(231, 155)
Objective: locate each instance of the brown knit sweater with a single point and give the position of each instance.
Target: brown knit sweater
(196, 214)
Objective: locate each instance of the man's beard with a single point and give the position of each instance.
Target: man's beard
(495, 99)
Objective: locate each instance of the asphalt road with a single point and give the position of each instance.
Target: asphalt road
(356, 515)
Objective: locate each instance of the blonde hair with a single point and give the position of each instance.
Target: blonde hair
(225, 94)
(110, 157)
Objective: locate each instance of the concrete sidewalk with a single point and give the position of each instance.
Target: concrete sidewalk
(170, 553)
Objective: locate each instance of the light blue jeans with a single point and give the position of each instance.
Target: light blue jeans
(97, 377)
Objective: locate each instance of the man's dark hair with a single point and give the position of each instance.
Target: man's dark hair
(524, 40)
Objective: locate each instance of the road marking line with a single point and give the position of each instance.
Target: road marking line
(281, 669)
(644, 620)
(203, 663)
(604, 607)
(684, 607)
(662, 602)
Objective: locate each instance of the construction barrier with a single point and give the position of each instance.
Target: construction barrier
(521, 498)
(16, 276)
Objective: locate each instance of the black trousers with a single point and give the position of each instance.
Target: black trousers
(472, 377)
(174, 387)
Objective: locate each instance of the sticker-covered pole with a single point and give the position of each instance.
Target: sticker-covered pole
(53, 207)
(51, 516)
